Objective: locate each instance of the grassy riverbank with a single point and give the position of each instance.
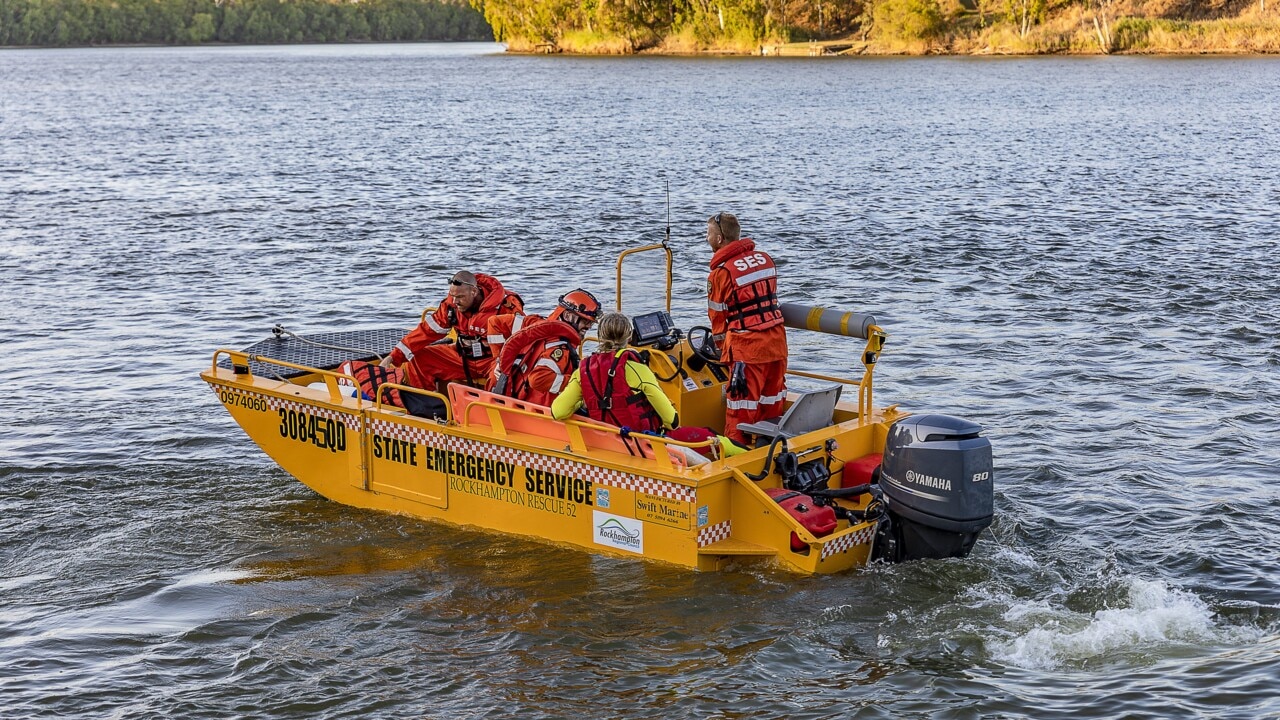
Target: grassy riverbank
(887, 27)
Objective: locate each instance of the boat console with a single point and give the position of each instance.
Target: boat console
(656, 329)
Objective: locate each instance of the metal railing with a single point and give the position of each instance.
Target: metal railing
(379, 405)
(644, 248)
(240, 366)
(574, 429)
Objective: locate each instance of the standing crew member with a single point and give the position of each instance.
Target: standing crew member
(536, 361)
(742, 302)
(472, 300)
(615, 386)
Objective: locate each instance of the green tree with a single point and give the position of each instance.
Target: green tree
(79, 22)
(202, 28)
(908, 19)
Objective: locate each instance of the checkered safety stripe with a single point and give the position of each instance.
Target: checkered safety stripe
(351, 420)
(844, 542)
(713, 533)
(403, 432)
(597, 475)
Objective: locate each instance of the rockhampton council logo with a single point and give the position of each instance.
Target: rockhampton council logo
(617, 532)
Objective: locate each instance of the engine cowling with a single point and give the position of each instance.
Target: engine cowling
(936, 479)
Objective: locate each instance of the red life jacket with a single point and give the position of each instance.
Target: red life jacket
(692, 434)
(753, 304)
(472, 340)
(609, 398)
(521, 353)
(471, 327)
(370, 376)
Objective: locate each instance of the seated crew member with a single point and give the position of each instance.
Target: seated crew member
(742, 303)
(535, 362)
(616, 387)
(472, 300)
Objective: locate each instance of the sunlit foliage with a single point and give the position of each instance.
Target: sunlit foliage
(696, 23)
(909, 19)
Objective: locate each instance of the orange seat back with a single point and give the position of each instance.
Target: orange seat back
(469, 410)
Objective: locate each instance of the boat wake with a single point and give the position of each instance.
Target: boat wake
(1148, 619)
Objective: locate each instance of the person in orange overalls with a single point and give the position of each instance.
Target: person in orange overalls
(538, 355)
(472, 300)
(746, 322)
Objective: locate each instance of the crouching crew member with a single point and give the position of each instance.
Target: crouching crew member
(615, 386)
(472, 300)
(742, 302)
(537, 359)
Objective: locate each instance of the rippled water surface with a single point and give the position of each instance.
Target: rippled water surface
(1077, 253)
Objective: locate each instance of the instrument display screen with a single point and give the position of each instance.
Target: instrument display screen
(651, 326)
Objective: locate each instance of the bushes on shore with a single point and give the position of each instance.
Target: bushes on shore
(180, 22)
(908, 19)
(888, 26)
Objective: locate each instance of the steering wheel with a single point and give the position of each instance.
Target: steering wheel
(703, 344)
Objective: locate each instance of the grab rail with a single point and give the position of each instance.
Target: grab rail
(379, 405)
(820, 376)
(240, 366)
(644, 248)
(871, 354)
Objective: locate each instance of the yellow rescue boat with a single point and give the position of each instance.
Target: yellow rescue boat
(834, 485)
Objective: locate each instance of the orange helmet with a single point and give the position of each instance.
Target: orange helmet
(581, 302)
(581, 307)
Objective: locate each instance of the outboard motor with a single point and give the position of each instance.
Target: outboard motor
(936, 480)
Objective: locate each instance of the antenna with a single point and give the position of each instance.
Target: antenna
(668, 238)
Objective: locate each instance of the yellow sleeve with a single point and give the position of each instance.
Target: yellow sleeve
(640, 377)
(568, 401)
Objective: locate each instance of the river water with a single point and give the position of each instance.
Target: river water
(1078, 253)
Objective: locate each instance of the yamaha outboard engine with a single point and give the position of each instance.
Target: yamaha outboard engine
(936, 480)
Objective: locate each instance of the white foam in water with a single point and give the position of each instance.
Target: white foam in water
(210, 577)
(158, 613)
(1156, 615)
(1017, 557)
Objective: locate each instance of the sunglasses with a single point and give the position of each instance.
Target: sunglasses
(460, 283)
(716, 219)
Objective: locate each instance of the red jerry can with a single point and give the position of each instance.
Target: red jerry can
(818, 520)
(860, 471)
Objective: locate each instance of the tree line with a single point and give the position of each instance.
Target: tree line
(179, 22)
(627, 26)
(738, 23)
(912, 26)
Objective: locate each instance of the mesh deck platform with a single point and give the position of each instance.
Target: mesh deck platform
(356, 345)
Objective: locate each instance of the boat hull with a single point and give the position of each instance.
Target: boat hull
(706, 517)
